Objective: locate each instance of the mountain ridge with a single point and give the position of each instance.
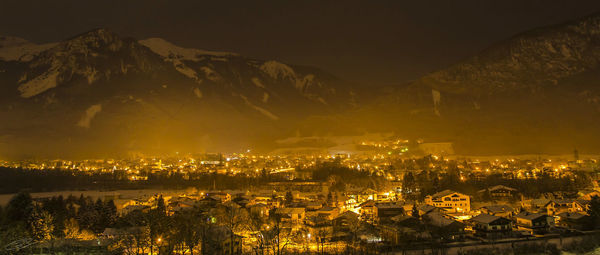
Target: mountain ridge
(97, 81)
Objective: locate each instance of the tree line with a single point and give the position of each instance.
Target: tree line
(15, 180)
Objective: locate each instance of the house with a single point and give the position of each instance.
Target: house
(385, 211)
(401, 229)
(534, 223)
(313, 205)
(367, 211)
(219, 196)
(450, 201)
(499, 192)
(328, 212)
(490, 226)
(443, 227)
(577, 221)
(128, 209)
(535, 205)
(558, 206)
(425, 209)
(319, 226)
(260, 210)
(291, 215)
(208, 202)
(178, 206)
(223, 241)
(366, 194)
(405, 221)
(346, 220)
(397, 234)
(498, 210)
(588, 194)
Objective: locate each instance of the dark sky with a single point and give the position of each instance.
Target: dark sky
(371, 41)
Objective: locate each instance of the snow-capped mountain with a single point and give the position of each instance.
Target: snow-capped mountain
(538, 91)
(152, 93)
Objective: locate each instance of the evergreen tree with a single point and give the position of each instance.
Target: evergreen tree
(87, 214)
(110, 212)
(436, 183)
(594, 212)
(289, 198)
(19, 207)
(99, 217)
(415, 211)
(263, 174)
(160, 206)
(486, 195)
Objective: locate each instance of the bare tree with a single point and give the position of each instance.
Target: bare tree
(235, 218)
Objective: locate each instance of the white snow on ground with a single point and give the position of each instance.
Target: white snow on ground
(257, 82)
(169, 50)
(90, 113)
(198, 92)
(259, 109)
(278, 70)
(39, 84)
(19, 49)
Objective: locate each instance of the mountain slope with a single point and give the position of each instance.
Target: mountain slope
(101, 93)
(538, 91)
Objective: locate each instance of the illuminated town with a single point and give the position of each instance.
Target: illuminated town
(386, 198)
(299, 127)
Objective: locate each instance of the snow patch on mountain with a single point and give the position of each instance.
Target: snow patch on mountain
(198, 93)
(90, 113)
(39, 84)
(277, 70)
(322, 100)
(185, 70)
(169, 50)
(210, 74)
(177, 55)
(12, 41)
(303, 83)
(259, 109)
(257, 83)
(19, 49)
(91, 74)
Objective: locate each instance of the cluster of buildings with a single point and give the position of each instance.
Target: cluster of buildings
(361, 215)
(451, 216)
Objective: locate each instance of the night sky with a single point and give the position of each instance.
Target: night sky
(371, 42)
